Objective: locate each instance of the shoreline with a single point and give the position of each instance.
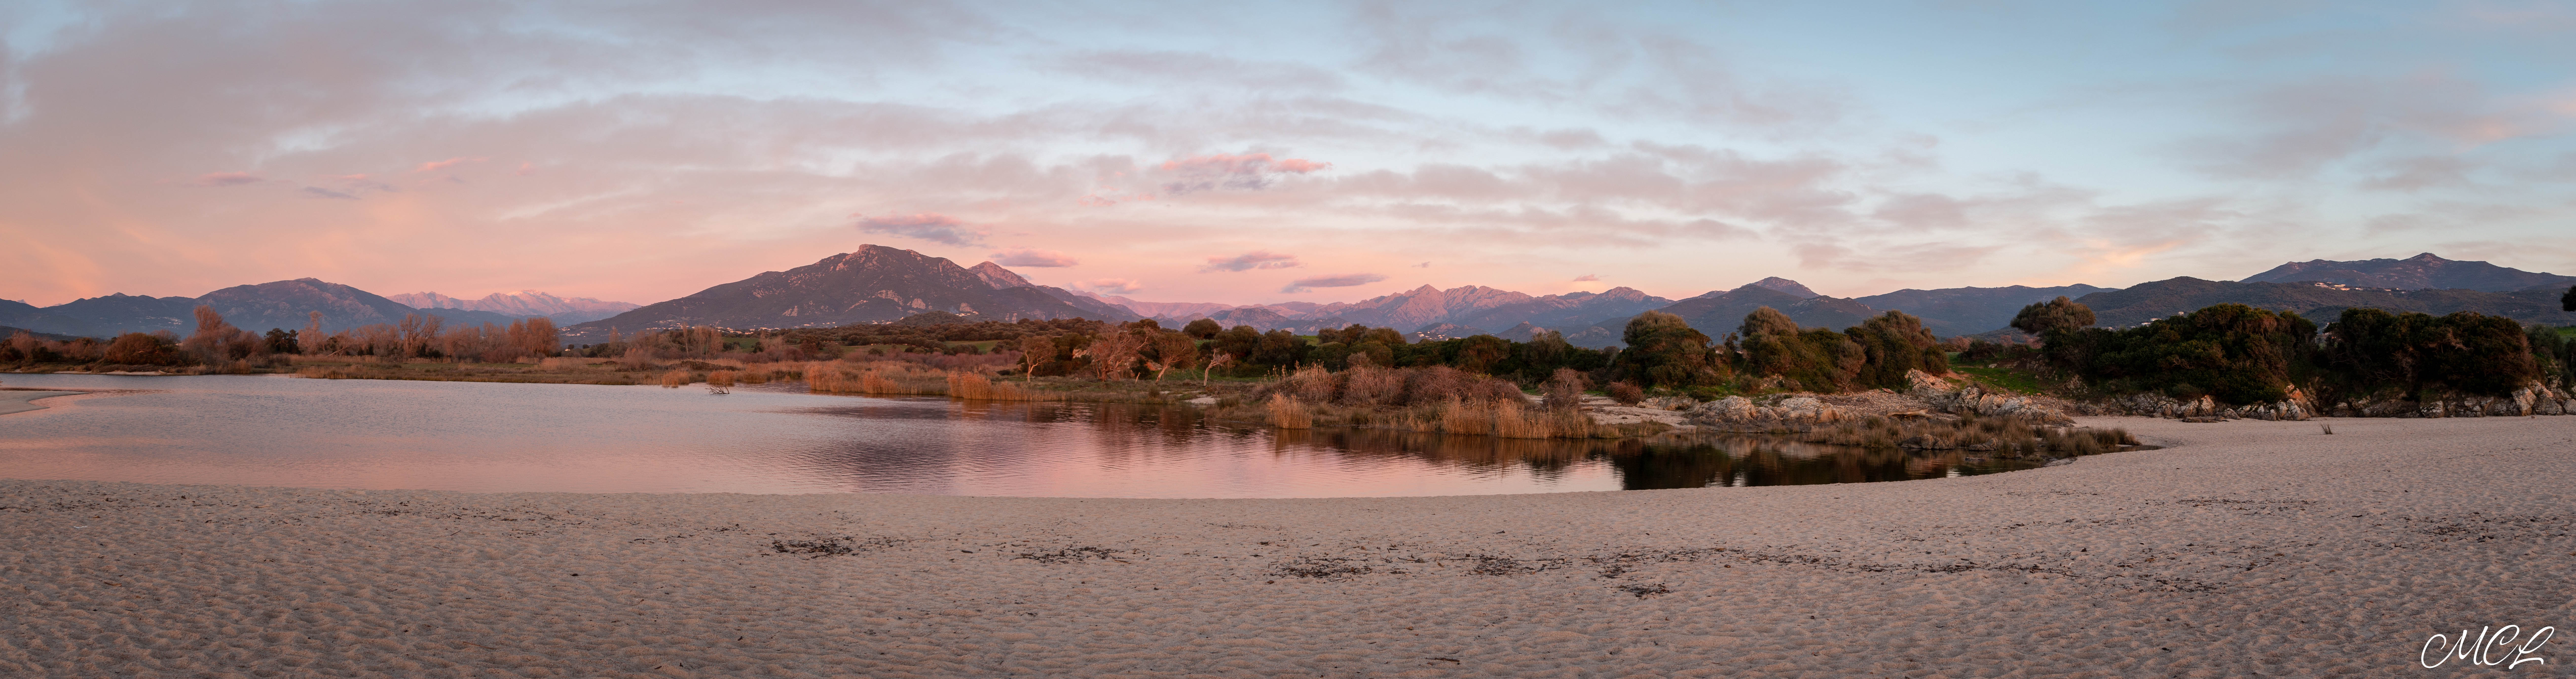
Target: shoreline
(2242, 547)
(14, 400)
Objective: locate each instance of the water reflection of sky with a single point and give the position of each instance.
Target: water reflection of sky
(494, 437)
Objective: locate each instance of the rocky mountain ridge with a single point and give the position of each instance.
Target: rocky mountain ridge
(564, 311)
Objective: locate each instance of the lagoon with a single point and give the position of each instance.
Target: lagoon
(775, 438)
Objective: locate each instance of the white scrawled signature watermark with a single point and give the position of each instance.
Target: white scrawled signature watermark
(2502, 646)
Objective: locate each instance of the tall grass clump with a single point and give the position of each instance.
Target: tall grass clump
(1287, 413)
(676, 379)
(720, 378)
(974, 385)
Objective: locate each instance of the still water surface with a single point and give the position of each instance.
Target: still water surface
(494, 437)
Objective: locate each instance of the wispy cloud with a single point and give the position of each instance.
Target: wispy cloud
(936, 228)
(1336, 281)
(1257, 259)
(1032, 257)
(319, 192)
(436, 165)
(1587, 277)
(1250, 171)
(1115, 286)
(226, 179)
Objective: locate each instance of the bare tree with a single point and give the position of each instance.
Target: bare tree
(1034, 349)
(1172, 350)
(1115, 353)
(311, 339)
(1221, 360)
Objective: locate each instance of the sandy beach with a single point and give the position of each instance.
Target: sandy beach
(2244, 548)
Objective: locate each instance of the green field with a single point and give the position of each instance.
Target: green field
(2001, 378)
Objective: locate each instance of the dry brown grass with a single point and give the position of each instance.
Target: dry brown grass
(1287, 413)
(973, 385)
(2009, 436)
(1510, 417)
(721, 378)
(677, 378)
(889, 378)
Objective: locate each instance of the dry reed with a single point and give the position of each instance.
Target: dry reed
(2008, 436)
(720, 378)
(676, 379)
(1287, 413)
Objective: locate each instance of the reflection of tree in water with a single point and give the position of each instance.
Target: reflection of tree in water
(1130, 432)
(1748, 460)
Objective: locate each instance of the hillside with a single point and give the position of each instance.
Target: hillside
(276, 304)
(285, 304)
(873, 284)
(1573, 308)
(2318, 301)
(1967, 311)
(2420, 272)
(524, 303)
(1718, 313)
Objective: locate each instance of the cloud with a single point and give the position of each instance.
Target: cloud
(1115, 286)
(1424, 265)
(931, 227)
(1337, 281)
(226, 179)
(354, 183)
(1257, 259)
(1032, 257)
(1251, 172)
(2419, 173)
(444, 164)
(1587, 277)
(319, 192)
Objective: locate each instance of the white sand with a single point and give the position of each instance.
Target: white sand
(2249, 547)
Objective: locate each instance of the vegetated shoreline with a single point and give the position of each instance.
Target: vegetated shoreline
(2155, 563)
(1239, 401)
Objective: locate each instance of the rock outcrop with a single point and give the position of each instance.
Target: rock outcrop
(1960, 397)
(2531, 399)
(2296, 407)
(1740, 414)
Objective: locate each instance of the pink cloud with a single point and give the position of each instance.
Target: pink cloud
(1257, 259)
(226, 179)
(444, 164)
(1250, 171)
(1335, 281)
(1118, 286)
(937, 228)
(1587, 277)
(1032, 257)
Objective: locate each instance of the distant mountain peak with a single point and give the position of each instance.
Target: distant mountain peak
(873, 284)
(2420, 272)
(1785, 285)
(1000, 278)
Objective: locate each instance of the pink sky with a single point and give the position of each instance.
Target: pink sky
(1319, 153)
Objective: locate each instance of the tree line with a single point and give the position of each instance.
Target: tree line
(217, 344)
(2237, 354)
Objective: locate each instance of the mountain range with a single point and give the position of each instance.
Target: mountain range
(874, 284)
(2319, 301)
(877, 284)
(523, 303)
(277, 304)
(2420, 272)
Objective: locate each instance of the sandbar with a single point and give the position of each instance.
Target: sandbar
(19, 401)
